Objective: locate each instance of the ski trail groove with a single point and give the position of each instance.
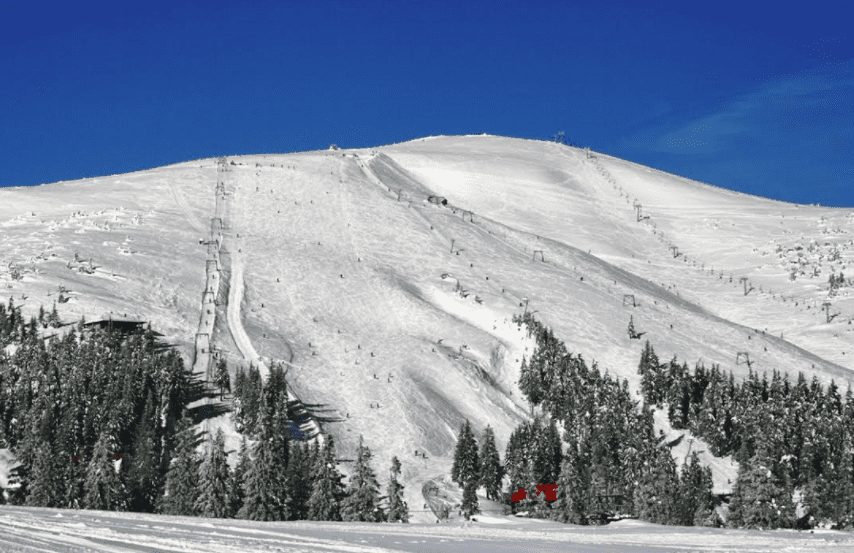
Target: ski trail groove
(181, 202)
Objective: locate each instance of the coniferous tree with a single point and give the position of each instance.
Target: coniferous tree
(694, 501)
(516, 458)
(104, 489)
(648, 369)
(144, 477)
(469, 505)
(45, 485)
(548, 455)
(237, 484)
(633, 333)
(182, 479)
(299, 480)
(362, 503)
(266, 491)
(262, 499)
(53, 319)
(760, 498)
(466, 466)
(573, 485)
(213, 500)
(491, 469)
(327, 490)
(656, 494)
(529, 382)
(398, 511)
(247, 399)
(58, 398)
(221, 377)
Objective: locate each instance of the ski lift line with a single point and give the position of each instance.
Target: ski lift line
(204, 351)
(556, 266)
(660, 235)
(418, 210)
(371, 176)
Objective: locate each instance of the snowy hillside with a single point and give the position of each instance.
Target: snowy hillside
(393, 312)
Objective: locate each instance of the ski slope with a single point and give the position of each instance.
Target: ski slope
(393, 313)
(28, 530)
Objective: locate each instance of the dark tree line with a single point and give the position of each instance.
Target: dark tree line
(91, 416)
(597, 444)
(789, 438)
(100, 420)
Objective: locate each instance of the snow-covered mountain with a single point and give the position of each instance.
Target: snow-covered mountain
(386, 278)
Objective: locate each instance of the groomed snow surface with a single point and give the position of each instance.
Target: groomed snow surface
(28, 530)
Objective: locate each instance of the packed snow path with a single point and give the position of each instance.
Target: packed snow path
(29, 530)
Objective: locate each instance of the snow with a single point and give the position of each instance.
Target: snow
(338, 268)
(7, 463)
(25, 530)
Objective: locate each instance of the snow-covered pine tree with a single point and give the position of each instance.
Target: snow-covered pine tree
(362, 503)
(633, 333)
(549, 453)
(694, 501)
(516, 457)
(466, 467)
(530, 382)
(760, 498)
(103, 488)
(182, 478)
(648, 369)
(491, 469)
(280, 426)
(655, 494)
(247, 399)
(53, 319)
(144, 476)
(238, 479)
(45, 485)
(398, 511)
(469, 505)
(221, 377)
(573, 485)
(299, 478)
(266, 492)
(327, 490)
(213, 500)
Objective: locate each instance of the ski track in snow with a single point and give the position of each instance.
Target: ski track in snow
(185, 208)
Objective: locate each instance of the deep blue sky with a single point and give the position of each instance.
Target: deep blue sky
(747, 96)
